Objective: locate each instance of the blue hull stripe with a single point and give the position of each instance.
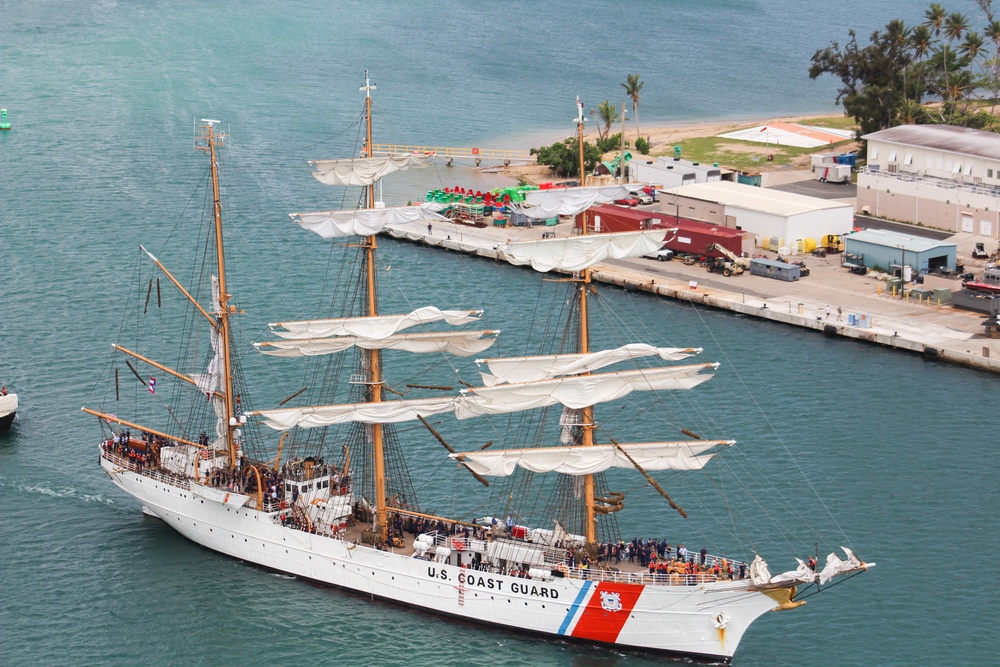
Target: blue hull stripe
(571, 613)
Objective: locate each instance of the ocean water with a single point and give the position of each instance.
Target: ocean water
(892, 454)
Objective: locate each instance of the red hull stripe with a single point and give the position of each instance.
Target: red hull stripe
(596, 622)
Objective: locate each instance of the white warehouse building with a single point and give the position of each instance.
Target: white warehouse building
(761, 212)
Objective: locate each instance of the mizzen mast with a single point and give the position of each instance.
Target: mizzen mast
(209, 141)
(374, 356)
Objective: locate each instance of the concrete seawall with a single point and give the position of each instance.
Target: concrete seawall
(943, 334)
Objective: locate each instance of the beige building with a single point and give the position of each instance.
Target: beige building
(936, 175)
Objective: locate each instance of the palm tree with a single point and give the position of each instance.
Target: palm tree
(909, 112)
(955, 26)
(973, 47)
(608, 113)
(632, 87)
(920, 41)
(934, 18)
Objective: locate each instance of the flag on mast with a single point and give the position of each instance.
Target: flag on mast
(152, 385)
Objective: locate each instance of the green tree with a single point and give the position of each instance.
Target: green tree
(563, 157)
(872, 77)
(608, 114)
(610, 143)
(632, 87)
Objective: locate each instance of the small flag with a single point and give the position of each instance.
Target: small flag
(763, 129)
(152, 385)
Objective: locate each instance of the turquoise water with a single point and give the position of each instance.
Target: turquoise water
(103, 97)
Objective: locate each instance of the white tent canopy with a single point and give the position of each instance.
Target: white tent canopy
(543, 204)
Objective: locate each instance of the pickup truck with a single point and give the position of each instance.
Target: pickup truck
(662, 255)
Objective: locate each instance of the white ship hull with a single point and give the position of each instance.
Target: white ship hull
(8, 410)
(704, 621)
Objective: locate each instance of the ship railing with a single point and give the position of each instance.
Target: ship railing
(644, 578)
(145, 471)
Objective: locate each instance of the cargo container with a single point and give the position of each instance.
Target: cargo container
(770, 268)
(691, 238)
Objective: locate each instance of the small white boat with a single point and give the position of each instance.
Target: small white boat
(8, 410)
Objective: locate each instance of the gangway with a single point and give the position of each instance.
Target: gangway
(449, 154)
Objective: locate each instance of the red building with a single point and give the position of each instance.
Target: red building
(692, 237)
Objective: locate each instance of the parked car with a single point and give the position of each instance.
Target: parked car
(643, 198)
(627, 201)
(662, 255)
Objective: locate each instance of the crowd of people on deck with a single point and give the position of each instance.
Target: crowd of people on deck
(140, 453)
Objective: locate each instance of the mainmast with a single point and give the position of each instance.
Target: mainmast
(209, 142)
(590, 522)
(374, 356)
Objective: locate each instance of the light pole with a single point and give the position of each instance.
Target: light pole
(902, 270)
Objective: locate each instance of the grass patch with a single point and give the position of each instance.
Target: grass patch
(751, 156)
(840, 122)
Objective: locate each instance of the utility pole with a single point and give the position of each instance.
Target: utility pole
(579, 130)
(622, 157)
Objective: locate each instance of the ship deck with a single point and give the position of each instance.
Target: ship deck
(666, 571)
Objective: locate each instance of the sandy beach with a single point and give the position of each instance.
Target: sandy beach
(663, 136)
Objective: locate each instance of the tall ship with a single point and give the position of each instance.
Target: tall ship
(323, 485)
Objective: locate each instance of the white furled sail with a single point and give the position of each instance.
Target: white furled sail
(381, 326)
(385, 412)
(580, 460)
(458, 343)
(543, 204)
(580, 252)
(577, 391)
(365, 222)
(366, 170)
(835, 565)
(531, 369)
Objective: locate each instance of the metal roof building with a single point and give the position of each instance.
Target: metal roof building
(938, 175)
(949, 138)
(764, 213)
(891, 250)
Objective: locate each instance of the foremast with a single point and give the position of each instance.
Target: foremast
(210, 141)
(374, 379)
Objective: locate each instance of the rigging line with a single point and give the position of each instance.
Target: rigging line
(836, 583)
(329, 137)
(771, 426)
(678, 401)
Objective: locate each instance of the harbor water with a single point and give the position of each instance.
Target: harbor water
(891, 453)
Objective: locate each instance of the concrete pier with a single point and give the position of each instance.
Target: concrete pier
(937, 331)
